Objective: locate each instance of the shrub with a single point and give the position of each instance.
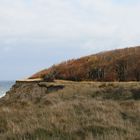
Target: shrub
(49, 77)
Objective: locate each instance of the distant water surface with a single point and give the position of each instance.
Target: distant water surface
(5, 86)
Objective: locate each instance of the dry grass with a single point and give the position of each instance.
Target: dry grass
(79, 111)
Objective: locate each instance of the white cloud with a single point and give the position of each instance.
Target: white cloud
(65, 19)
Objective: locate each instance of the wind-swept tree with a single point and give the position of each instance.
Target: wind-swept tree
(96, 74)
(137, 72)
(121, 70)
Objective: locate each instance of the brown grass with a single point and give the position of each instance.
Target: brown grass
(79, 111)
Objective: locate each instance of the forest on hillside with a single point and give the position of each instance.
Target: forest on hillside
(116, 65)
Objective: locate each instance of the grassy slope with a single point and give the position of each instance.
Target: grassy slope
(79, 111)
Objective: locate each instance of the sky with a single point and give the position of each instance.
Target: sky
(35, 34)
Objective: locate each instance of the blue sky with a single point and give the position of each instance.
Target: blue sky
(34, 34)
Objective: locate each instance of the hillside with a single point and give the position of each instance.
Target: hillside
(79, 107)
(116, 65)
(66, 110)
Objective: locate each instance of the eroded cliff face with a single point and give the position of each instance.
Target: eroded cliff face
(30, 91)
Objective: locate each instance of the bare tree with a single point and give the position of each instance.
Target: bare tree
(121, 70)
(96, 74)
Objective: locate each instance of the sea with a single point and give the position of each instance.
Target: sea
(5, 86)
